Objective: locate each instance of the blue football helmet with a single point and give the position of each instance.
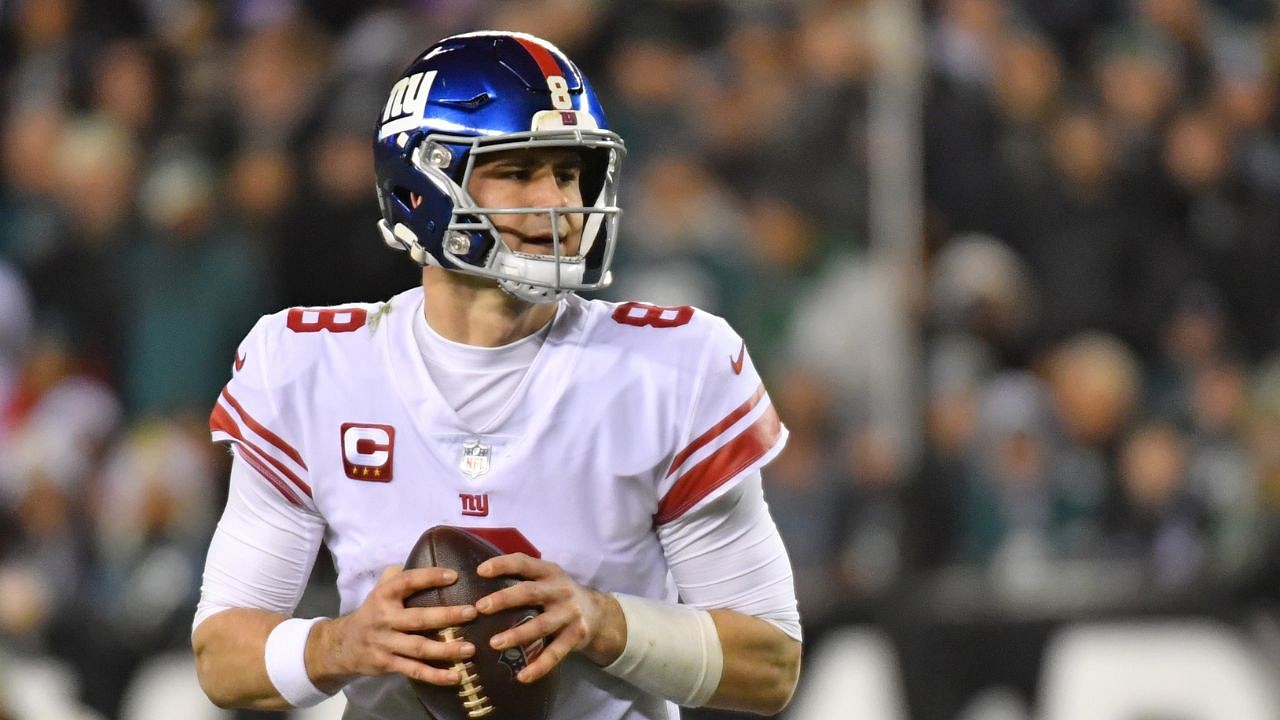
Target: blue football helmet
(486, 92)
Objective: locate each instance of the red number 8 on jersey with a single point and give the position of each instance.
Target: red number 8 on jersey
(337, 320)
(638, 314)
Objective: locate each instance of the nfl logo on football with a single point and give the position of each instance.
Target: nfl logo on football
(475, 459)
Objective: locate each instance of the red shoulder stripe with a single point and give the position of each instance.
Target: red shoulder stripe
(716, 430)
(280, 485)
(220, 419)
(261, 430)
(717, 468)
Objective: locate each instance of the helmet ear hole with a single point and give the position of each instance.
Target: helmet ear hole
(407, 197)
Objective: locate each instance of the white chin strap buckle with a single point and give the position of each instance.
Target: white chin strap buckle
(531, 293)
(533, 279)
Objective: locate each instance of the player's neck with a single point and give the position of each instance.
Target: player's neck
(474, 311)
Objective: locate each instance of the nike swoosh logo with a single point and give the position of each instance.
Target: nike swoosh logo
(742, 355)
(239, 362)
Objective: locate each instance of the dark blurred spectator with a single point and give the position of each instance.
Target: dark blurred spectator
(980, 287)
(44, 68)
(276, 74)
(1165, 526)
(746, 106)
(1094, 385)
(959, 122)
(685, 230)
(824, 168)
(1094, 380)
(873, 548)
(331, 225)
(16, 320)
(51, 455)
(1188, 26)
(1263, 435)
(1071, 24)
(126, 87)
(1029, 92)
(195, 285)
(956, 368)
(261, 185)
(151, 514)
(781, 251)
(1013, 516)
(1221, 475)
(1229, 225)
(30, 219)
(80, 286)
(653, 83)
(1139, 81)
(852, 322)
(809, 493)
(1098, 266)
(1194, 338)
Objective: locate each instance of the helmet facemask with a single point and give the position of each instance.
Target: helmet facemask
(533, 277)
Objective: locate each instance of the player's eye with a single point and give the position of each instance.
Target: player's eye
(514, 172)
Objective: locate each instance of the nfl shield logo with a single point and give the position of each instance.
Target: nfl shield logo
(475, 459)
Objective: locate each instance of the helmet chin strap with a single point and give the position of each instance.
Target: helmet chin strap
(531, 293)
(543, 270)
(516, 268)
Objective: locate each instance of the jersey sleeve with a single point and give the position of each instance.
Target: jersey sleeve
(727, 553)
(262, 552)
(732, 427)
(254, 413)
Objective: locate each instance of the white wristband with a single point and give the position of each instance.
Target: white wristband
(287, 665)
(672, 650)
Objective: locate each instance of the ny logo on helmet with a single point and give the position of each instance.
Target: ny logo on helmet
(404, 110)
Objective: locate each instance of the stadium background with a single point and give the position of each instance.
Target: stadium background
(1010, 268)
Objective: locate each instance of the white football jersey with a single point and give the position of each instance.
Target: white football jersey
(630, 416)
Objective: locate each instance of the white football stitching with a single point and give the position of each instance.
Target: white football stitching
(469, 690)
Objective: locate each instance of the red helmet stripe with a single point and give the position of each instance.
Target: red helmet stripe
(546, 61)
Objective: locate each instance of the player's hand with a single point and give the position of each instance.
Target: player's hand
(379, 637)
(573, 617)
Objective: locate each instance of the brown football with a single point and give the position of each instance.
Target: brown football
(489, 689)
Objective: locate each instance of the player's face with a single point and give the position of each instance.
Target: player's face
(541, 177)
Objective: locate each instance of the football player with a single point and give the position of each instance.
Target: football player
(613, 450)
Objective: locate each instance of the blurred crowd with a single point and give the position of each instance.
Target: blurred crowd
(1092, 339)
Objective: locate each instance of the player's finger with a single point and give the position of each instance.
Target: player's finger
(544, 625)
(525, 594)
(517, 564)
(551, 656)
(423, 648)
(432, 618)
(411, 581)
(500, 600)
(421, 671)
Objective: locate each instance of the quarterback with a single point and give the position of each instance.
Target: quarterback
(613, 451)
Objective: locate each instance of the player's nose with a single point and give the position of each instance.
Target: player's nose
(545, 190)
